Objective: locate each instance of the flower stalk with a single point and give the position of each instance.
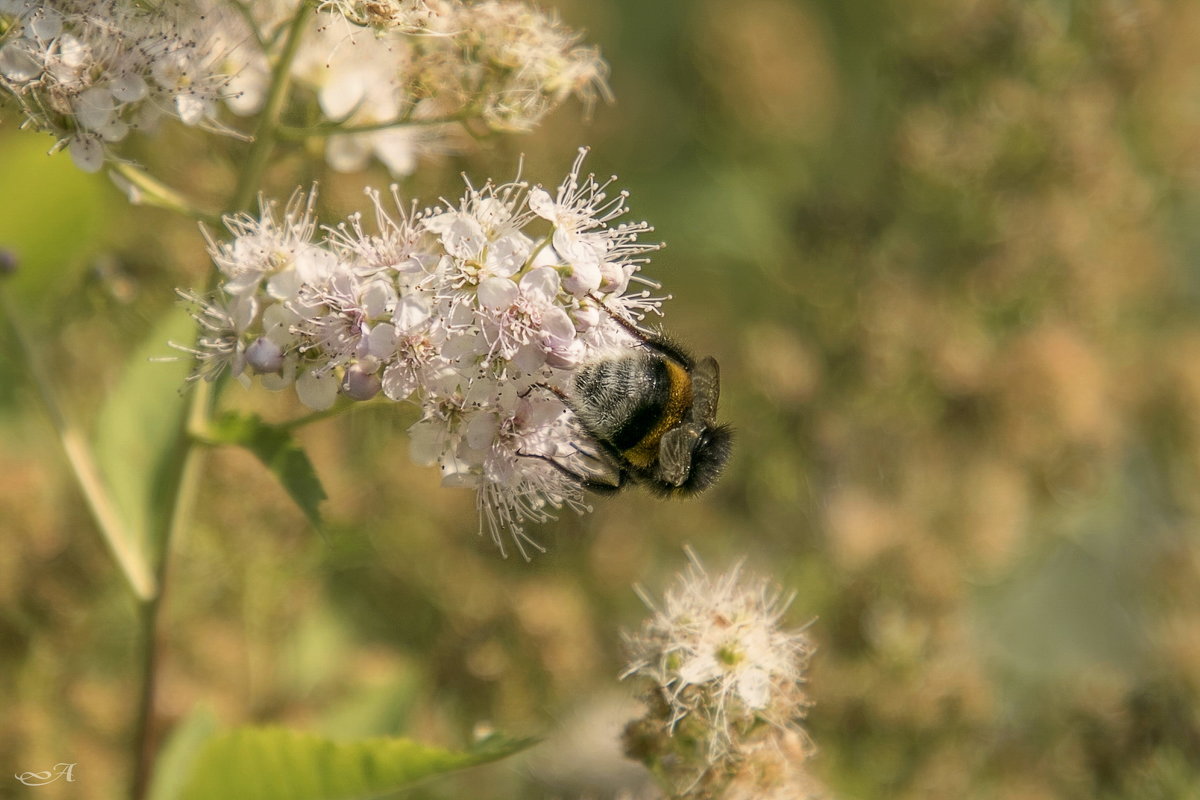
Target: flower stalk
(130, 561)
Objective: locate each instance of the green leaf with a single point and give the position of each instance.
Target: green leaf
(177, 756)
(45, 196)
(140, 436)
(281, 764)
(278, 450)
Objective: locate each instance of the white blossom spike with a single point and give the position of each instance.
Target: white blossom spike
(464, 309)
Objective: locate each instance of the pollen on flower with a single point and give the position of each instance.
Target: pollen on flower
(460, 309)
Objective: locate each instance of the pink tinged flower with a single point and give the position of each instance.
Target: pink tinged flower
(17, 64)
(192, 108)
(221, 343)
(129, 88)
(397, 149)
(412, 311)
(585, 317)
(496, 294)
(464, 347)
(583, 274)
(95, 107)
(278, 324)
(317, 389)
(460, 233)
(349, 152)
(458, 472)
(426, 441)
(264, 356)
(87, 151)
(481, 431)
(401, 378)
(508, 254)
(360, 383)
(44, 24)
(524, 313)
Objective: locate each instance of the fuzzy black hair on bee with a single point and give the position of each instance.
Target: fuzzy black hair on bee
(650, 412)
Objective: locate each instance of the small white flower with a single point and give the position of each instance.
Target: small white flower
(716, 653)
(317, 389)
(87, 151)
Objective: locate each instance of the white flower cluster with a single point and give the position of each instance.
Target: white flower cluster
(462, 309)
(395, 79)
(717, 661)
(90, 71)
(405, 15)
(432, 63)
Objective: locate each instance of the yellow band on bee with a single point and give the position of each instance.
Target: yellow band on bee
(679, 400)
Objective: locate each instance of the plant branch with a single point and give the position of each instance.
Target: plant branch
(250, 181)
(181, 505)
(113, 530)
(144, 189)
(144, 745)
(334, 129)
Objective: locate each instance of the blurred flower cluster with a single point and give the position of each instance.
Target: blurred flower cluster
(391, 80)
(91, 71)
(463, 309)
(723, 689)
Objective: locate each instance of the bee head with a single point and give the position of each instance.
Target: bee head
(708, 459)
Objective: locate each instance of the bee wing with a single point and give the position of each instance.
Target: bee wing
(675, 454)
(706, 390)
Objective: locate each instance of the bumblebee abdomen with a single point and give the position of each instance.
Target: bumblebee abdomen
(631, 401)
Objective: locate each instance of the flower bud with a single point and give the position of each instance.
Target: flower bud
(264, 356)
(358, 384)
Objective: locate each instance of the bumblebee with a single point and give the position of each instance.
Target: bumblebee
(651, 413)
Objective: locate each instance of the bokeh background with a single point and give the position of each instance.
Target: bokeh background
(946, 253)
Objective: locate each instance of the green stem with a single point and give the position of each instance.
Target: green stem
(181, 503)
(344, 407)
(250, 181)
(132, 563)
(330, 129)
(182, 491)
(153, 192)
(144, 735)
(538, 248)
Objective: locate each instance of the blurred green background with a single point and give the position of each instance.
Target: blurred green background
(946, 253)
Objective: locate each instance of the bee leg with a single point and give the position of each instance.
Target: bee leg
(554, 390)
(650, 340)
(599, 487)
(586, 453)
(645, 337)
